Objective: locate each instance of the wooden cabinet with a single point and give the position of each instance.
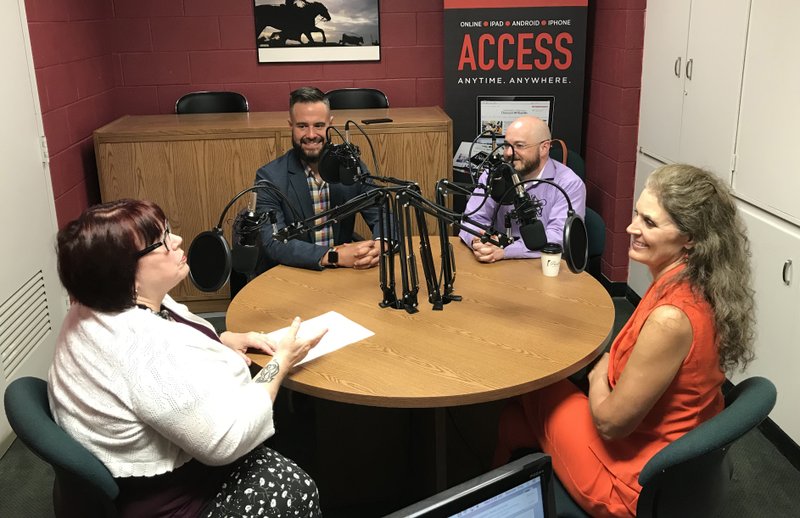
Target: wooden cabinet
(775, 245)
(691, 77)
(192, 165)
(768, 137)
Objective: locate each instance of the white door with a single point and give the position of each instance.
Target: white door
(666, 34)
(639, 278)
(32, 304)
(713, 71)
(766, 167)
(776, 281)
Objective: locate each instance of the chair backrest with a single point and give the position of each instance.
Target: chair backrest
(690, 477)
(81, 481)
(356, 98)
(596, 232)
(212, 102)
(558, 150)
(595, 226)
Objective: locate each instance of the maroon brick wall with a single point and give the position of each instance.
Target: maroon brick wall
(612, 121)
(96, 60)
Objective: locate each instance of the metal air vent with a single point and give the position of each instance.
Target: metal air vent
(24, 322)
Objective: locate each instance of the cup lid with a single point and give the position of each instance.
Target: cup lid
(551, 248)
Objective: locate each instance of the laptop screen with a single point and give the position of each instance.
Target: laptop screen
(526, 499)
(520, 488)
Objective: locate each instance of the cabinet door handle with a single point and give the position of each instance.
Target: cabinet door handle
(689, 68)
(677, 67)
(787, 272)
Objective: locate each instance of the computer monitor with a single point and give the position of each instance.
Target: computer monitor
(520, 488)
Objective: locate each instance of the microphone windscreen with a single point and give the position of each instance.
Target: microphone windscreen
(346, 174)
(576, 244)
(533, 235)
(500, 183)
(244, 258)
(209, 260)
(329, 164)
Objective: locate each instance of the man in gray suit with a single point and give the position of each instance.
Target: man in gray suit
(296, 174)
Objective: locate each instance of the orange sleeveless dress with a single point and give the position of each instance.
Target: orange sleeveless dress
(602, 476)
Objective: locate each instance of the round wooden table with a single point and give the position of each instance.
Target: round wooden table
(514, 331)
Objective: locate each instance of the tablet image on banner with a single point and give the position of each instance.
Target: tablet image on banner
(462, 158)
(496, 113)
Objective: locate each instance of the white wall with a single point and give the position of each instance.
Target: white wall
(32, 304)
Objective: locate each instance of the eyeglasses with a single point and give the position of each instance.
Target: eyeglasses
(165, 240)
(519, 146)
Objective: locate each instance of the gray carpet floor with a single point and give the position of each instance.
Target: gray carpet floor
(765, 482)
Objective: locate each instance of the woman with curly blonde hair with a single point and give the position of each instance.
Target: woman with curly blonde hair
(663, 374)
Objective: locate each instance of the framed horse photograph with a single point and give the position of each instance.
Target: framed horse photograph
(289, 31)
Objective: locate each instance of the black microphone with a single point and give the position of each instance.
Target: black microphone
(340, 163)
(247, 237)
(528, 209)
(499, 180)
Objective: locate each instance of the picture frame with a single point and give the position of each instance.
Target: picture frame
(291, 31)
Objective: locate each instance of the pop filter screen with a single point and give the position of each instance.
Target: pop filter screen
(576, 249)
(209, 260)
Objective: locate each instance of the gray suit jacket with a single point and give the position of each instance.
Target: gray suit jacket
(289, 175)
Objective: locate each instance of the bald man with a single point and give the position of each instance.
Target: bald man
(528, 151)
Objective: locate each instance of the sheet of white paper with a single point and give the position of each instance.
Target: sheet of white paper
(341, 331)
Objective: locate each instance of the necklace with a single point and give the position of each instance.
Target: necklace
(163, 313)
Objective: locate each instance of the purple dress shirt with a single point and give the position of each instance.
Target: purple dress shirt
(554, 211)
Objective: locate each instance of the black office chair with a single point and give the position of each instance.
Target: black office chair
(691, 476)
(83, 486)
(356, 98)
(595, 226)
(212, 102)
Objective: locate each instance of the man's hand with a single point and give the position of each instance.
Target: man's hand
(360, 255)
(486, 252)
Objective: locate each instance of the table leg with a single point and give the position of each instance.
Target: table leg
(440, 447)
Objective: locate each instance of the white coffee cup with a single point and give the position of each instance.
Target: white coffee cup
(551, 259)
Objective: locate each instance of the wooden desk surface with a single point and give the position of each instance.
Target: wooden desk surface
(233, 125)
(515, 331)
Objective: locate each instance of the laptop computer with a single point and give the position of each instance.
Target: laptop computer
(520, 488)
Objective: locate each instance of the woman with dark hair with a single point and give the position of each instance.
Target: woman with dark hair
(150, 388)
(664, 371)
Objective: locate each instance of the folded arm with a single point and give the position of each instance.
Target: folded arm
(659, 352)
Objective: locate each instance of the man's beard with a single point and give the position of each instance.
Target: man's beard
(305, 157)
(528, 167)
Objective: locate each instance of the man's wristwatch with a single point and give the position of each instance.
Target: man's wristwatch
(333, 258)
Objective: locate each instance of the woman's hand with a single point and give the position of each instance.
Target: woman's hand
(598, 376)
(291, 350)
(240, 342)
(288, 352)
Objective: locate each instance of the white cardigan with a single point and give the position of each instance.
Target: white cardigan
(146, 395)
